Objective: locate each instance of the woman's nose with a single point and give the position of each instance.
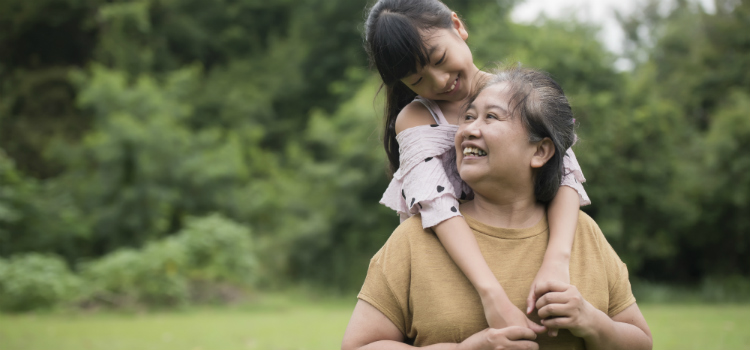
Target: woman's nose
(471, 131)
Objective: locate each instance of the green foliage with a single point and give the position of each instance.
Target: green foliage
(208, 253)
(129, 277)
(343, 172)
(35, 281)
(156, 111)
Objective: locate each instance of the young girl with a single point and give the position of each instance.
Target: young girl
(419, 48)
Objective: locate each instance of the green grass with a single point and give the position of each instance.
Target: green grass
(281, 324)
(705, 327)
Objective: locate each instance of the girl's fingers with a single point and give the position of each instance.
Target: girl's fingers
(530, 300)
(518, 333)
(535, 327)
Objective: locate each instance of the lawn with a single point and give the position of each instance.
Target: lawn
(308, 326)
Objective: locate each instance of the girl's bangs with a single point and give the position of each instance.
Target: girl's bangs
(397, 48)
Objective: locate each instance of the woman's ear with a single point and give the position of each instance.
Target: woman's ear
(459, 26)
(545, 149)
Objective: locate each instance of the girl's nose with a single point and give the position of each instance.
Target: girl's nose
(440, 79)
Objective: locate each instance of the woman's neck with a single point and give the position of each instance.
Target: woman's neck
(506, 210)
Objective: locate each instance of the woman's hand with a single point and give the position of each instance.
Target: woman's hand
(561, 306)
(510, 338)
(551, 270)
(501, 313)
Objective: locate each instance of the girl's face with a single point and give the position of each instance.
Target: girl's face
(448, 75)
(493, 145)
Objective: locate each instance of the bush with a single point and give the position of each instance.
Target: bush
(35, 281)
(152, 276)
(211, 258)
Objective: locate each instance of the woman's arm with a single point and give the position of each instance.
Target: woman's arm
(562, 215)
(369, 329)
(561, 306)
(459, 241)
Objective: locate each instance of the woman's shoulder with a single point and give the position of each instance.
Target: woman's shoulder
(408, 232)
(397, 249)
(589, 230)
(412, 115)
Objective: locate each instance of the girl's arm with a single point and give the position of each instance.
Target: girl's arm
(459, 241)
(562, 214)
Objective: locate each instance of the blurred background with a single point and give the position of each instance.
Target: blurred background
(217, 162)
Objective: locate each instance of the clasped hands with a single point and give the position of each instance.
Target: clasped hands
(560, 306)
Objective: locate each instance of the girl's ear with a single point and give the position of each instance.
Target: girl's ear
(459, 26)
(545, 149)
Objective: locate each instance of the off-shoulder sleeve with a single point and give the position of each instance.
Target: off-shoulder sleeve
(573, 176)
(427, 181)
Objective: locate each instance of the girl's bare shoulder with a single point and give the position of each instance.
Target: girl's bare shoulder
(413, 114)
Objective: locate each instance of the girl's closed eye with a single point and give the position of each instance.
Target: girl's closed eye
(442, 59)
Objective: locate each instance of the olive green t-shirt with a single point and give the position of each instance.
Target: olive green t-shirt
(413, 281)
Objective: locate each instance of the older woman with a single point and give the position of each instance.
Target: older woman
(414, 295)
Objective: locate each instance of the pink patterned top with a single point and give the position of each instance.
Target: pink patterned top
(427, 179)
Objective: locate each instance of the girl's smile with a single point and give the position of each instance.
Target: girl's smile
(455, 86)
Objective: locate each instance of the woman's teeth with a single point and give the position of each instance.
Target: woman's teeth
(473, 151)
(452, 86)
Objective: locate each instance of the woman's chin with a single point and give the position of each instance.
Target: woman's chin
(470, 175)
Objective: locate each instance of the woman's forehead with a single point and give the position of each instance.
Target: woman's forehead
(495, 94)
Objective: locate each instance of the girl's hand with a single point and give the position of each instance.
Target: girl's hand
(550, 271)
(501, 313)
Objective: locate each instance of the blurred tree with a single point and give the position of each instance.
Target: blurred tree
(120, 119)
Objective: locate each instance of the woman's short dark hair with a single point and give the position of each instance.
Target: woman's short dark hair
(540, 102)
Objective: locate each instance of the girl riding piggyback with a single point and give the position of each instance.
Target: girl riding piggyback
(419, 48)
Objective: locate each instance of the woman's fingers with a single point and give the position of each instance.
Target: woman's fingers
(557, 323)
(550, 286)
(551, 298)
(555, 310)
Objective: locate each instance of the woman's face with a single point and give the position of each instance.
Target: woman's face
(446, 77)
(491, 144)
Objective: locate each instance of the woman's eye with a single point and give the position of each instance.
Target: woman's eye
(468, 117)
(492, 116)
(417, 82)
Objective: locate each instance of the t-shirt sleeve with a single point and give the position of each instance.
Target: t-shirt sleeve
(386, 286)
(620, 293)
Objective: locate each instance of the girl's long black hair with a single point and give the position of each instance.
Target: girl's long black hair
(397, 49)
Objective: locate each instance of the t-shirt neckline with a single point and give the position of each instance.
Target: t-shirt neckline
(508, 233)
